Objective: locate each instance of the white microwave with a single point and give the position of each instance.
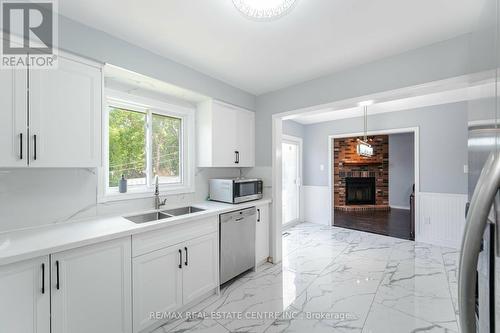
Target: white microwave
(235, 190)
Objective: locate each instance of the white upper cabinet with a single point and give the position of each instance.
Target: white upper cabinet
(65, 106)
(246, 138)
(13, 118)
(225, 135)
(51, 117)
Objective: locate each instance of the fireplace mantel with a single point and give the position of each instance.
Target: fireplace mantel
(367, 162)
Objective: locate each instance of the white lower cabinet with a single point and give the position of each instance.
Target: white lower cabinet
(25, 296)
(262, 234)
(167, 279)
(200, 272)
(157, 284)
(107, 287)
(91, 289)
(87, 289)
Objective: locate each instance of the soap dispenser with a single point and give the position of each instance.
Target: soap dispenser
(122, 187)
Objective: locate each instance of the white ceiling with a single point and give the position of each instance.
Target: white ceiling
(403, 102)
(316, 38)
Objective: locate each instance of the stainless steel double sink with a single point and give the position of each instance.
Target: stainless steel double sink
(165, 214)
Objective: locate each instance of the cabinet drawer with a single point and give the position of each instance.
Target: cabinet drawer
(158, 239)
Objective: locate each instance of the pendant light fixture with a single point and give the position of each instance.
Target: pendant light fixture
(364, 148)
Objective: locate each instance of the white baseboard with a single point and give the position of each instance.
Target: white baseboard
(441, 218)
(401, 207)
(316, 204)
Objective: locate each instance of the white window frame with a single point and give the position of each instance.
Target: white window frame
(131, 102)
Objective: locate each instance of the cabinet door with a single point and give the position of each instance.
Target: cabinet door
(200, 271)
(91, 289)
(224, 135)
(262, 234)
(24, 301)
(65, 115)
(157, 284)
(246, 138)
(13, 118)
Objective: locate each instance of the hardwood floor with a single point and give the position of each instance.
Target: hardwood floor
(395, 223)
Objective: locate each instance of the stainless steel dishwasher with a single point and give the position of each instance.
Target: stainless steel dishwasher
(237, 243)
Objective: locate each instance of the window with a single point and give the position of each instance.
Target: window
(127, 146)
(145, 139)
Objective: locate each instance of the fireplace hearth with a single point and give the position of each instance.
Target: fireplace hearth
(360, 191)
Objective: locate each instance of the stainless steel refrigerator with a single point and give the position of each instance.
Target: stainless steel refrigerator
(479, 266)
(479, 261)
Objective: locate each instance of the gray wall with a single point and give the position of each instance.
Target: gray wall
(401, 169)
(59, 195)
(293, 128)
(434, 62)
(86, 41)
(443, 144)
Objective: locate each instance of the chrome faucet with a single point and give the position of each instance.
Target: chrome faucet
(158, 201)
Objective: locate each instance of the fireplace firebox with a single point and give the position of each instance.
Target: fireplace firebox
(360, 190)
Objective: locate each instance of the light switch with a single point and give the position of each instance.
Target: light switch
(466, 168)
(321, 167)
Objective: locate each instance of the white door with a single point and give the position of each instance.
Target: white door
(200, 272)
(65, 115)
(157, 284)
(246, 138)
(291, 180)
(262, 235)
(224, 135)
(25, 296)
(13, 118)
(91, 289)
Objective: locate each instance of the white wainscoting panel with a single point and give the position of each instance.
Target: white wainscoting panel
(316, 204)
(442, 218)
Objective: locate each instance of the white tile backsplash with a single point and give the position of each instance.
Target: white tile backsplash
(34, 197)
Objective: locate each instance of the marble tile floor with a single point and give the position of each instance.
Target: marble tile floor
(337, 280)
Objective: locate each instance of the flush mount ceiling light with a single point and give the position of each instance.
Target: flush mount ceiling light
(264, 10)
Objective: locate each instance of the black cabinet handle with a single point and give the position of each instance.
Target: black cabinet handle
(34, 147)
(20, 146)
(258, 215)
(186, 262)
(180, 258)
(43, 278)
(58, 285)
(237, 157)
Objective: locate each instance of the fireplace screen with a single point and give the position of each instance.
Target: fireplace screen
(360, 190)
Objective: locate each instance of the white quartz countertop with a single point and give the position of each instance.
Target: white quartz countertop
(30, 243)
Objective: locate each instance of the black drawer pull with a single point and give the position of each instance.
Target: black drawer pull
(58, 285)
(34, 147)
(20, 146)
(43, 278)
(186, 262)
(258, 215)
(180, 258)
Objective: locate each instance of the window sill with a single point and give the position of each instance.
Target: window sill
(144, 193)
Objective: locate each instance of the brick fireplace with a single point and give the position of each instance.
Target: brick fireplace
(361, 183)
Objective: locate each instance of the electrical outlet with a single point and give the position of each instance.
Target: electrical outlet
(466, 168)
(321, 167)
